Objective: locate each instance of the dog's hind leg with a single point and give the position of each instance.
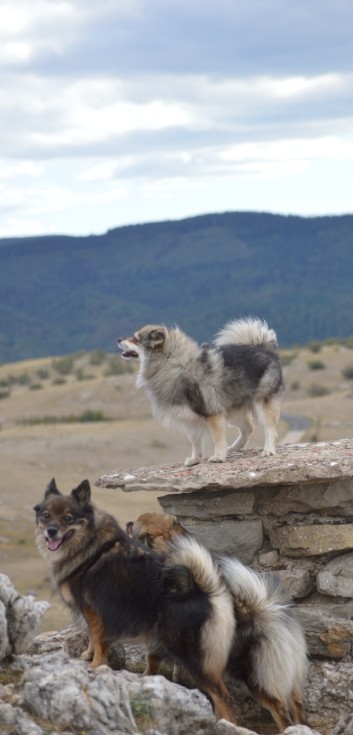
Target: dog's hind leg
(219, 696)
(246, 425)
(268, 412)
(218, 428)
(296, 709)
(279, 710)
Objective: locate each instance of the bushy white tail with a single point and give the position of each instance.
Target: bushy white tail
(247, 331)
(279, 657)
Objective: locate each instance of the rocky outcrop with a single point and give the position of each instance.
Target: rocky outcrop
(20, 616)
(292, 465)
(48, 690)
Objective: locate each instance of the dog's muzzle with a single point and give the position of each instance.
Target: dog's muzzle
(127, 354)
(53, 540)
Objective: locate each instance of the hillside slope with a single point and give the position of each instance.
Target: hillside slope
(62, 294)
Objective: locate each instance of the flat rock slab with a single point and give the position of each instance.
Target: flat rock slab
(293, 464)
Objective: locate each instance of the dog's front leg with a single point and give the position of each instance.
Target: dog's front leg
(196, 437)
(153, 662)
(88, 654)
(97, 647)
(218, 428)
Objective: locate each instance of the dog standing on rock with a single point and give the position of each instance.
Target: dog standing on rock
(268, 652)
(236, 379)
(178, 606)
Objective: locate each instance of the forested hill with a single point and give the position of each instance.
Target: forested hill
(63, 294)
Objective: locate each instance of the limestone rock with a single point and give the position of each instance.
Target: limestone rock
(239, 538)
(65, 693)
(60, 695)
(336, 578)
(196, 504)
(326, 636)
(344, 727)
(20, 616)
(312, 540)
(298, 582)
(293, 464)
(329, 694)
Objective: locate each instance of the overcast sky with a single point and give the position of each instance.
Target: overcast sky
(125, 111)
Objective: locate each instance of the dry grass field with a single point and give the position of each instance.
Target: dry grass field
(78, 417)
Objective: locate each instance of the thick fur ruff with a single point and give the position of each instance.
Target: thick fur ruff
(179, 605)
(237, 379)
(269, 650)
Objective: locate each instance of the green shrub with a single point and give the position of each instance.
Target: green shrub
(316, 365)
(315, 391)
(43, 373)
(20, 379)
(295, 385)
(90, 415)
(64, 365)
(288, 357)
(314, 346)
(347, 372)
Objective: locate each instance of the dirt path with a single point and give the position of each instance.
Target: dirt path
(297, 428)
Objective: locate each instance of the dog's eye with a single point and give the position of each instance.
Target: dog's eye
(45, 514)
(68, 518)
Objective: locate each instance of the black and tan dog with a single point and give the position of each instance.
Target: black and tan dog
(269, 651)
(179, 605)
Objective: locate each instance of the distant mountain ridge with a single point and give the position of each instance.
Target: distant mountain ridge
(61, 294)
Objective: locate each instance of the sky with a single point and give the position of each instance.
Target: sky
(116, 112)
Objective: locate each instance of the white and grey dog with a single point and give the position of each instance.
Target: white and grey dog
(236, 379)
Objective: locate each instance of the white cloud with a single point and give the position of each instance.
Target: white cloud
(186, 106)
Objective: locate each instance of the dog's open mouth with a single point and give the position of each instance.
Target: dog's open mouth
(129, 355)
(53, 544)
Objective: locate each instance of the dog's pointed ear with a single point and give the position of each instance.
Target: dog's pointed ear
(51, 489)
(82, 493)
(157, 336)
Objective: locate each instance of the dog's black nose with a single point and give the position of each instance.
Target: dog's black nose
(52, 531)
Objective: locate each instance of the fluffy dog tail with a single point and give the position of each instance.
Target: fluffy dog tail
(277, 663)
(218, 632)
(247, 331)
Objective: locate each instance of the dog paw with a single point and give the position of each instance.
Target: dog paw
(217, 458)
(268, 452)
(190, 461)
(87, 655)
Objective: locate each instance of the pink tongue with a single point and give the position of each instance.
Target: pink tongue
(53, 544)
